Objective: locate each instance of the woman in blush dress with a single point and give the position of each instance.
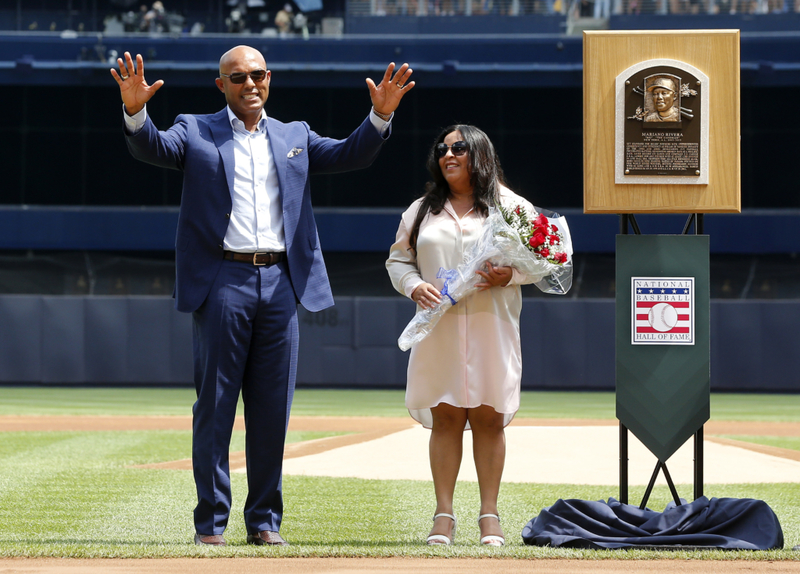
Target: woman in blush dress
(466, 373)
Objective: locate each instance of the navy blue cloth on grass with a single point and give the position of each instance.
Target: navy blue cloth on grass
(728, 523)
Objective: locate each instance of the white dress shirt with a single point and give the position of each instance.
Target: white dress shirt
(256, 222)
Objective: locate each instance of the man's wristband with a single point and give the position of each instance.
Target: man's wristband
(384, 117)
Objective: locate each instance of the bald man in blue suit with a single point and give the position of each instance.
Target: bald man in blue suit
(247, 252)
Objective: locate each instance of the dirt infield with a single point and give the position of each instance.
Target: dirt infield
(364, 429)
(345, 424)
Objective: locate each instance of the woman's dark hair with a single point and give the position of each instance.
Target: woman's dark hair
(486, 176)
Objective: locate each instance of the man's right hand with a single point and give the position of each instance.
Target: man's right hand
(133, 88)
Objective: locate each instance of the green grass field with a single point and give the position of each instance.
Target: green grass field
(77, 494)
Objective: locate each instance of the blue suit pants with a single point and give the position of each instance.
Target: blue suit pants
(245, 341)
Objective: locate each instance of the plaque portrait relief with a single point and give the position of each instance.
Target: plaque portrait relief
(661, 124)
(663, 100)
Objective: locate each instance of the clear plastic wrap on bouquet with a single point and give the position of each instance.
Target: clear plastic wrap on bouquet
(502, 245)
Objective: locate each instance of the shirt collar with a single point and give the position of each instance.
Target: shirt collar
(234, 121)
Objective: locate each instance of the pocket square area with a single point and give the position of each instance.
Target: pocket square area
(295, 151)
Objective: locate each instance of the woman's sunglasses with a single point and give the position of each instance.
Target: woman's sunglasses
(241, 77)
(458, 148)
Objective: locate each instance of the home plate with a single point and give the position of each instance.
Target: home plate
(550, 455)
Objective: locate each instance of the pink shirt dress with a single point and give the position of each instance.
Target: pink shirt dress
(472, 357)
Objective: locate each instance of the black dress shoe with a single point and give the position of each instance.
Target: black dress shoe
(266, 537)
(209, 540)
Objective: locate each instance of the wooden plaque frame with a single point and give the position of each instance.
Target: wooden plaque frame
(606, 54)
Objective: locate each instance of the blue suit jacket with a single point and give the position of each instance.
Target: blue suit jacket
(202, 147)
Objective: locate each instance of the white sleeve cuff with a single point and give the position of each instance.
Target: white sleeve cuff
(380, 124)
(517, 278)
(135, 122)
(410, 285)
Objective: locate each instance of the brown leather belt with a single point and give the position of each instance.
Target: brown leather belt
(269, 258)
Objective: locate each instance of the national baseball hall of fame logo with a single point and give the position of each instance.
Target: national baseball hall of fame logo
(662, 311)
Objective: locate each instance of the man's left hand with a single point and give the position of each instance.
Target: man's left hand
(386, 96)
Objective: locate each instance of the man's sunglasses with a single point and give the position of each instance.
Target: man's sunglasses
(241, 77)
(458, 148)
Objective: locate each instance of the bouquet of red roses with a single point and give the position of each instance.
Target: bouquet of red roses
(540, 248)
(539, 234)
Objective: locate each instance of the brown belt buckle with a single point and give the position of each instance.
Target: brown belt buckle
(255, 255)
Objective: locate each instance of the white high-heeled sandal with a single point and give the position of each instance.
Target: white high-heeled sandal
(441, 538)
(491, 539)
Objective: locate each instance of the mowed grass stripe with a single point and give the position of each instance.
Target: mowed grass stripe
(348, 402)
(61, 484)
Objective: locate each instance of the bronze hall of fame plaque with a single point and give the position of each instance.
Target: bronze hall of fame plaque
(662, 128)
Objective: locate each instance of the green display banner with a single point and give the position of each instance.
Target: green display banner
(662, 338)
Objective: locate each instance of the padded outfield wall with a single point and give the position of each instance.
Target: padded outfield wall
(567, 344)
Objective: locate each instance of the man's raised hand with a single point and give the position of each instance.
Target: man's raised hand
(133, 88)
(386, 96)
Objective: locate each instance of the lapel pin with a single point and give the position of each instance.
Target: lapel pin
(294, 151)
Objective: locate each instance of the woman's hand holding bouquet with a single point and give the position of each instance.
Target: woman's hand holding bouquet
(539, 247)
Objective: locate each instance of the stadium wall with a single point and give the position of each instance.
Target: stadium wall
(567, 344)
